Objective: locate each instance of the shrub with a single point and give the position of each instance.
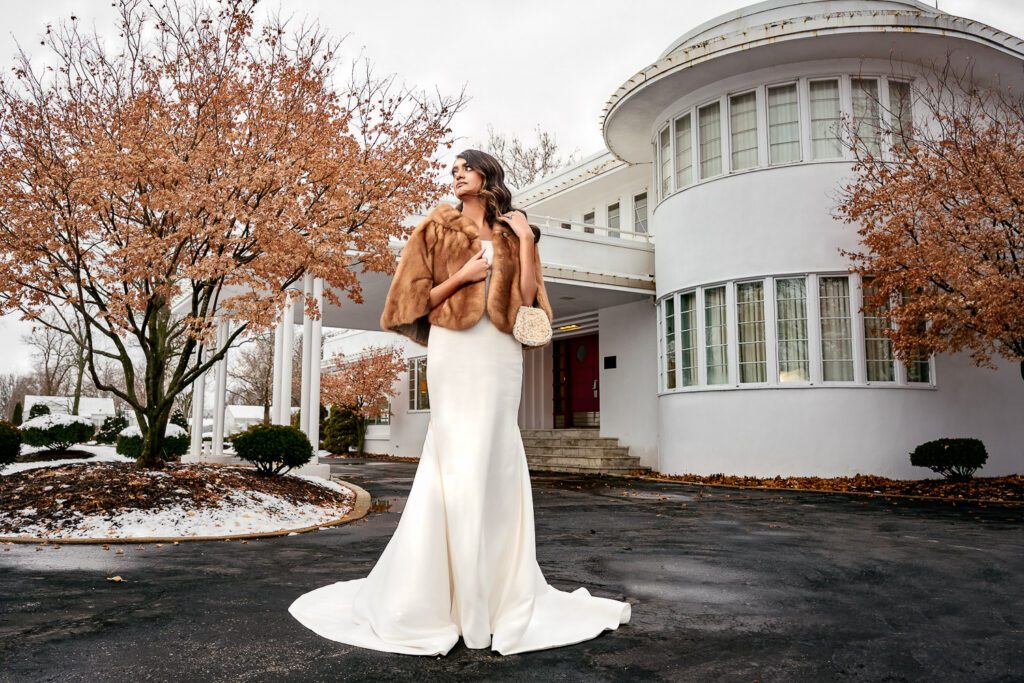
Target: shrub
(110, 428)
(57, 432)
(19, 412)
(955, 459)
(341, 430)
(178, 418)
(10, 443)
(38, 409)
(176, 442)
(273, 448)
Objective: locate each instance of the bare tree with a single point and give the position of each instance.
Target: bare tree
(54, 357)
(526, 164)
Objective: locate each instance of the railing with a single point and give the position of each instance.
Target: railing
(553, 224)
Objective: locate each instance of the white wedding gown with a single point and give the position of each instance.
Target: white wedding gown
(463, 558)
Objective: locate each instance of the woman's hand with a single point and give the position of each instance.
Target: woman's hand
(475, 269)
(517, 219)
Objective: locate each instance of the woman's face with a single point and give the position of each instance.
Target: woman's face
(466, 180)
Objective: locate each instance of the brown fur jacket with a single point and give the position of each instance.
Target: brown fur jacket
(438, 247)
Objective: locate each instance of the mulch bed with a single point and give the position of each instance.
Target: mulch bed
(1009, 489)
(106, 487)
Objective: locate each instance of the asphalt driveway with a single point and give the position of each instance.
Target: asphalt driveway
(725, 584)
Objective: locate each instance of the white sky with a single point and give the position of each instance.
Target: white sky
(523, 64)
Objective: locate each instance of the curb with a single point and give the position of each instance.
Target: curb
(358, 511)
(869, 494)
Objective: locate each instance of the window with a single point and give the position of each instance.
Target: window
(750, 326)
(588, 219)
(669, 362)
(613, 220)
(866, 124)
(825, 141)
(743, 127)
(783, 124)
(640, 213)
(666, 164)
(684, 152)
(385, 415)
(902, 121)
(688, 338)
(418, 397)
(877, 346)
(791, 329)
(836, 329)
(567, 226)
(710, 140)
(918, 366)
(715, 341)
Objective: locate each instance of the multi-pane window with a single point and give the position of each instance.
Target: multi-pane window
(791, 329)
(710, 122)
(900, 112)
(688, 338)
(418, 397)
(836, 329)
(684, 152)
(640, 213)
(715, 340)
(824, 101)
(783, 124)
(750, 328)
(866, 122)
(918, 366)
(665, 153)
(669, 363)
(613, 220)
(385, 415)
(877, 345)
(588, 220)
(743, 128)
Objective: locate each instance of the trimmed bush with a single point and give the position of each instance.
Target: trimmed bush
(341, 430)
(10, 443)
(110, 428)
(19, 412)
(273, 449)
(38, 409)
(955, 459)
(176, 442)
(57, 432)
(178, 418)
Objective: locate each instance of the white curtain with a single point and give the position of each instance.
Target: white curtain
(684, 152)
(866, 122)
(825, 142)
(688, 338)
(836, 329)
(743, 127)
(877, 346)
(783, 124)
(791, 322)
(715, 336)
(666, 163)
(750, 323)
(710, 140)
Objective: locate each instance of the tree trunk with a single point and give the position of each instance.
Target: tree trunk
(78, 383)
(152, 456)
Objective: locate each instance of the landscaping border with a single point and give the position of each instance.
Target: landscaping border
(358, 511)
(869, 494)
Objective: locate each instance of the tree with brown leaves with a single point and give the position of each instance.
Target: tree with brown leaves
(941, 216)
(193, 169)
(363, 384)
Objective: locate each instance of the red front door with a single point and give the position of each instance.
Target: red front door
(577, 399)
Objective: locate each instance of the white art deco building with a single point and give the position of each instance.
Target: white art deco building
(705, 317)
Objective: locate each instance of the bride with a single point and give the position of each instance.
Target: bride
(462, 561)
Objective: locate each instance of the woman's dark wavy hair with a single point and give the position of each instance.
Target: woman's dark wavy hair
(497, 197)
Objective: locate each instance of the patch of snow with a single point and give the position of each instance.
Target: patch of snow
(103, 454)
(54, 419)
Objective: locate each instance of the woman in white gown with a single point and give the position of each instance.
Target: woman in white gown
(463, 558)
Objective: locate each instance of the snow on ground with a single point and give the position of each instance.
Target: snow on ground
(240, 512)
(103, 454)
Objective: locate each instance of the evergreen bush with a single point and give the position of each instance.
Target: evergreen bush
(341, 430)
(38, 409)
(176, 442)
(111, 427)
(273, 449)
(10, 443)
(57, 432)
(955, 459)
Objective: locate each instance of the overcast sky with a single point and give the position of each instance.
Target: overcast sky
(546, 63)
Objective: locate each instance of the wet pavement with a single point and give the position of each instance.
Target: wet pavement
(725, 584)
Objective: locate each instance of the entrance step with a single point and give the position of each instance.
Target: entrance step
(575, 450)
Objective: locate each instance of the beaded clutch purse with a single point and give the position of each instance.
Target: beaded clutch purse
(532, 326)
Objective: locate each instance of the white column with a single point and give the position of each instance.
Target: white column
(307, 330)
(198, 407)
(287, 346)
(220, 391)
(275, 394)
(315, 343)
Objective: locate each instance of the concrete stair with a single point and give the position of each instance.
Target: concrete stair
(577, 450)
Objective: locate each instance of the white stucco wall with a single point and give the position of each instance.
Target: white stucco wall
(629, 392)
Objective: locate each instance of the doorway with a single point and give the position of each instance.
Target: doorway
(577, 401)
